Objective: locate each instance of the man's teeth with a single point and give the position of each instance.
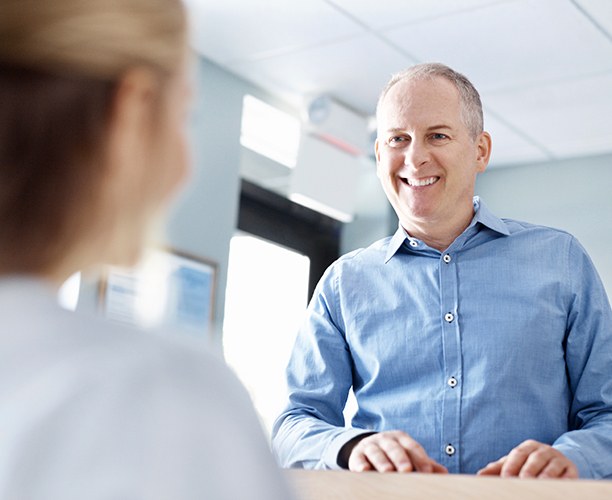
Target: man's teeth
(422, 182)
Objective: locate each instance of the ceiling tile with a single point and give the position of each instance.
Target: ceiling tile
(509, 146)
(600, 11)
(512, 43)
(352, 71)
(385, 13)
(239, 30)
(543, 67)
(569, 118)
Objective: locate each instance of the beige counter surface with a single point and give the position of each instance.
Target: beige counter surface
(336, 485)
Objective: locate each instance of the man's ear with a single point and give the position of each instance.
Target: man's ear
(377, 155)
(483, 151)
(376, 150)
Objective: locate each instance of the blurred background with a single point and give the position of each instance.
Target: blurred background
(283, 134)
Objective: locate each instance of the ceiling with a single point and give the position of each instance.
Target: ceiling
(543, 67)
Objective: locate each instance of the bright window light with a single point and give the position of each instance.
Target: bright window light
(265, 303)
(270, 131)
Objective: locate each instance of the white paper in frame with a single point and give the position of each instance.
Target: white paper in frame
(168, 289)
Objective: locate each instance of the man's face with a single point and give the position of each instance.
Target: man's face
(427, 161)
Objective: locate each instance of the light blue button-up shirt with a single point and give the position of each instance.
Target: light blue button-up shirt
(503, 337)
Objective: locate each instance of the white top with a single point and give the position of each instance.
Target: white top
(92, 410)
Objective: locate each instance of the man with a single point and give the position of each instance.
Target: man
(473, 344)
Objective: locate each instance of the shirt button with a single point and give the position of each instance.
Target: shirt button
(452, 382)
(449, 450)
(449, 317)
(414, 243)
(447, 258)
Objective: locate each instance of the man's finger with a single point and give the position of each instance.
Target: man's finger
(536, 462)
(398, 456)
(517, 458)
(571, 472)
(359, 463)
(559, 467)
(389, 451)
(378, 458)
(418, 456)
(493, 468)
(439, 468)
(553, 469)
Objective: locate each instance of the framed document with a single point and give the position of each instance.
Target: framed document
(168, 289)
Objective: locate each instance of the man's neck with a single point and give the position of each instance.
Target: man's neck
(438, 234)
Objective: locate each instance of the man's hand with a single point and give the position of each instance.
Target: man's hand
(391, 451)
(532, 459)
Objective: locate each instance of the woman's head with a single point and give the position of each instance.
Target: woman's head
(91, 104)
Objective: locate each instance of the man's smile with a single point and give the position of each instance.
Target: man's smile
(426, 181)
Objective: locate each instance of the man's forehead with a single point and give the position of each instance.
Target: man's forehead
(428, 86)
(425, 97)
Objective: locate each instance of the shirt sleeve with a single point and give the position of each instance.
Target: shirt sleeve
(311, 430)
(589, 368)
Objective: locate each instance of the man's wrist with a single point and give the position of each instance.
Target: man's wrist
(345, 452)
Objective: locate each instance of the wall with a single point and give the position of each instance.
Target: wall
(204, 219)
(574, 195)
(374, 218)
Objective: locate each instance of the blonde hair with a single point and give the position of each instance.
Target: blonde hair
(95, 38)
(60, 65)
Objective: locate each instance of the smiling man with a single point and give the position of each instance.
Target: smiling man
(429, 149)
(473, 344)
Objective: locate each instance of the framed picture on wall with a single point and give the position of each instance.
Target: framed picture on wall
(168, 289)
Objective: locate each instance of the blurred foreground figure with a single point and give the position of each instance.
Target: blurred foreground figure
(93, 100)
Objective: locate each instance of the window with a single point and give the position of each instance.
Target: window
(269, 131)
(275, 262)
(266, 297)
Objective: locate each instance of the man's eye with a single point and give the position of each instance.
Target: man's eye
(396, 139)
(439, 137)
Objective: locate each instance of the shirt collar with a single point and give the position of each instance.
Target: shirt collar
(487, 218)
(482, 215)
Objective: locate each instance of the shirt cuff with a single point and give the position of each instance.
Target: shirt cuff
(330, 458)
(576, 456)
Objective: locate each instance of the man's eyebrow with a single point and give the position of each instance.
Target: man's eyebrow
(430, 128)
(438, 127)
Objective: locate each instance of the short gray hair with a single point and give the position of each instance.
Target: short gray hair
(471, 106)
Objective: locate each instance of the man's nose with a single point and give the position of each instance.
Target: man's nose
(417, 155)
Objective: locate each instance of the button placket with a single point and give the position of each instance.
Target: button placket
(451, 344)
